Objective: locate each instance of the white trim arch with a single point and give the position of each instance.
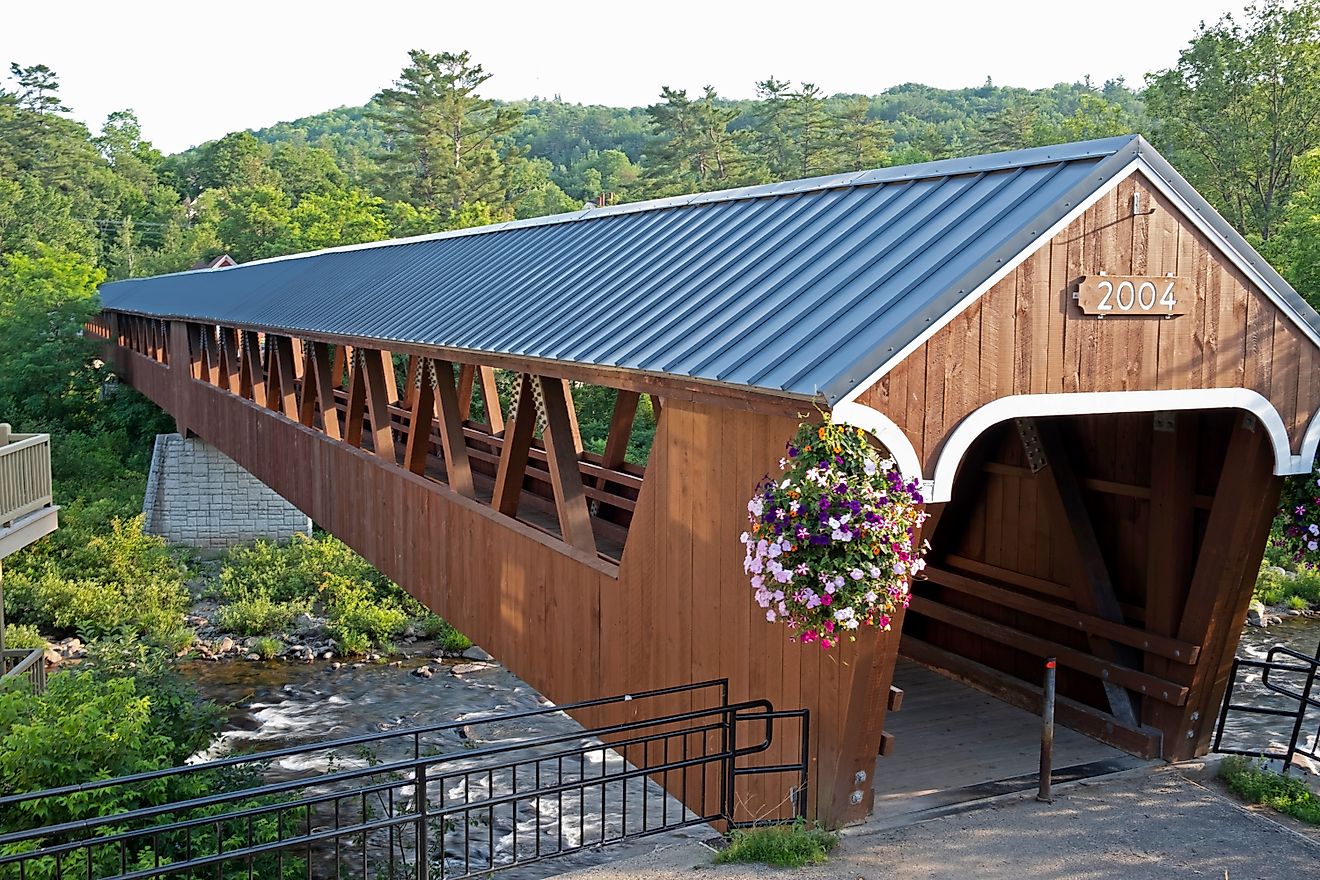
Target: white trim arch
(860, 415)
(1101, 402)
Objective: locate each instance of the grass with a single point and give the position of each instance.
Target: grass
(1255, 784)
(785, 846)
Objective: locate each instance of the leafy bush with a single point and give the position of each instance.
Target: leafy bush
(178, 711)
(1258, 785)
(267, 648)
(259, 615)
(267, 569)
(81, 729)
(358, 613)
(1280, 587)
(349, 642)
(266, 585)
(787, 846)
(97, 724)
(97, 575)
(439, 630)
(22, 638)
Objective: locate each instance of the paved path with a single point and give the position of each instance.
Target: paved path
(1138, 826)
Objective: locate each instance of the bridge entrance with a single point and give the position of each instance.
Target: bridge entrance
(1124, 545)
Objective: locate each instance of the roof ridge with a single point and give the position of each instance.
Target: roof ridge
(978, 164)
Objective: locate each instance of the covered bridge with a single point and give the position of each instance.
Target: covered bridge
(1098, 380)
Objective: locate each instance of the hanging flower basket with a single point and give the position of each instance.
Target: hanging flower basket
(833, 540)
(1298, 527)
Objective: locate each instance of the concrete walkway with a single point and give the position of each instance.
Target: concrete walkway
(1139, 825)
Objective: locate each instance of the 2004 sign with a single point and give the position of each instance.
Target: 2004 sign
(1133, 296)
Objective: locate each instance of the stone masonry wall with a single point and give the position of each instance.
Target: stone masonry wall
(198, 496)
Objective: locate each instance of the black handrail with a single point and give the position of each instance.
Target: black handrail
(1299, 700)
(405, 817)
(360, 739)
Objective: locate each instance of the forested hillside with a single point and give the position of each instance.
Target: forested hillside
(907, 123)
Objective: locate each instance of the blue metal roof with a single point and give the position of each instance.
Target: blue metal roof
(803, 288)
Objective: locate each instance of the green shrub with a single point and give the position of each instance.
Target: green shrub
(266, 569)
(82, 728)
(259, 615)
(350, 643)
(23, 638)
(95, 576)
(357, 613)
(1273, 588)
(786, 846)
(442, 631)
(267, 648)
(178, 711)
(266, 585)
(1297, 603)
(1254, 783)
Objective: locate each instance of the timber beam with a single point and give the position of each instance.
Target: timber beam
(738, 397)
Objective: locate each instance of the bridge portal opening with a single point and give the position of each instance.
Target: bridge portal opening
(1124, 545)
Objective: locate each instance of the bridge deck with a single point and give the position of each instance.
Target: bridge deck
(954, 743)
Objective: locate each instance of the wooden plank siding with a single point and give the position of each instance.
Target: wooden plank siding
(676, 609)
(1032, 338)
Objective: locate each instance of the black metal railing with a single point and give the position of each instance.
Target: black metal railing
(1287, 690)
(423, 802)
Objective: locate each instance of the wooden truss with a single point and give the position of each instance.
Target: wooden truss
(525, 458)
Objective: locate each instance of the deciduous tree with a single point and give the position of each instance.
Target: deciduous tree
(1239, 107)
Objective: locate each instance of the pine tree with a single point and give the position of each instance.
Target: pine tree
(807, 106)
(857, 141)
(771, 138)
(443, 140)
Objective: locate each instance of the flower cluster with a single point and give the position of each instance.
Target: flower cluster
(1298, 527)
(833, 541)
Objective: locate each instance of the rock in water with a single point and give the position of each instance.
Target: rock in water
(1256, 615)
(465, 668)
(476, 653)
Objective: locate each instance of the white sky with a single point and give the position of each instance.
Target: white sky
(194, 71)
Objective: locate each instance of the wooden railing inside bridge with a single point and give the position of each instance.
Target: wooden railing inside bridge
(525, 458)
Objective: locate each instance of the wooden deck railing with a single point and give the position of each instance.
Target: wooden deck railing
(24, 474)
(30, 664)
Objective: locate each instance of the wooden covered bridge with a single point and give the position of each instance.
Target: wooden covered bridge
(1098, 380)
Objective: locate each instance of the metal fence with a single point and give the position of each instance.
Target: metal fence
(1287, 690)
(419, 803)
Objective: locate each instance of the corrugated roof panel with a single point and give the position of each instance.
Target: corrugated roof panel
(802, 287)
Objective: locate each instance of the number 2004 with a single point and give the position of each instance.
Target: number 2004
(1126, 295)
